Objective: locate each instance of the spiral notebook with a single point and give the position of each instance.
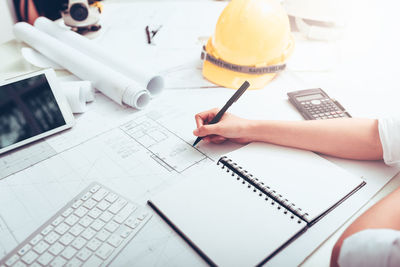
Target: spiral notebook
(255, 201)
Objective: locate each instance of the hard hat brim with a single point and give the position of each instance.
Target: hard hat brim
(233, 79)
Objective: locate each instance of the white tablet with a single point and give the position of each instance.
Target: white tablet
(32, 106)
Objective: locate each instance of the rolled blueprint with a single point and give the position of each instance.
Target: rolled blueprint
(154, 83)
(38, 60)
(113, 84)
(85, 86)
(75, 96)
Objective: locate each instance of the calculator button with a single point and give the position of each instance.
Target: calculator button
(316, 102)
(303, 103)
(336, 116)
(330, 117)
(315, 116)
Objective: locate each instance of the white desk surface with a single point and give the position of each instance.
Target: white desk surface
(365, 70)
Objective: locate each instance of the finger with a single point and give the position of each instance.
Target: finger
(217, 139)
(207, 130)
(205, 116)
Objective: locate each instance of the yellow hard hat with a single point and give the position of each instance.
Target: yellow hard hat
(251, 42)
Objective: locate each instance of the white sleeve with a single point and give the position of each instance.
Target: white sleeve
(371, 247)
(389, 133)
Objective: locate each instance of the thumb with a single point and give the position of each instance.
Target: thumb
(205, 130)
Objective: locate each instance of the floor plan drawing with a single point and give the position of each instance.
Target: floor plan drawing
(164, 145)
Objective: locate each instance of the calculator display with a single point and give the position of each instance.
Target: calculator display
(309, 97)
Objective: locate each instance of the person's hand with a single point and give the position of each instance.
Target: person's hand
(229, 127)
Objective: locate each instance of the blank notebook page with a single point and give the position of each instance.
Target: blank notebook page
(311, 182)
(226, 220)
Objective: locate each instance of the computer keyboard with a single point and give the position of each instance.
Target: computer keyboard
(89, 231)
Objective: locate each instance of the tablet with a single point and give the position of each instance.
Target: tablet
(32, 106)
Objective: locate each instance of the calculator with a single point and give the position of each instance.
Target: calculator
(315, 104)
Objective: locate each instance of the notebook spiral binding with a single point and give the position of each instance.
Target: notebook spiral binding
(264, 189)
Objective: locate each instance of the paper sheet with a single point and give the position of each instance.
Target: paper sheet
(85, 86)
(75, 97)
(137, 153)
(154, 83)
(113, 84)
(38, 60)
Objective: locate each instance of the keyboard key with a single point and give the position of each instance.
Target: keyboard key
(62, 228)
(67, 212)
(94, 213)
(99, 195)
(97, 225)
(143, 215)
(71, 220)
(58, 262)
(35, 264)
(66, 239)
(77, 204)
(86, 196)
(36, 239)
(117, 206)
(57, 221)
(41, 247)
(81, 211)
(84, 254)
(103, 205)
(45, 259)
(103, 235)
(125, 231)
(94, 244)
(124, 213)
(24, 249)
(88, 233)
(29, 257)
(95, 188)
(104, 251)
(56, 249)
(106, 216)
(76, 230)
(74, 263)
(19, 264)
(94, 261)
(132, 222)
(115, 240)
(86, 221)
(112, 226)
(90, 204)
(78, 243)
(111, 197)
(68, 253)
(13, 259)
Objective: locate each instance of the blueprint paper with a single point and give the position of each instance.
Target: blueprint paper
(113, 84)
(38, 60)
(154, 83)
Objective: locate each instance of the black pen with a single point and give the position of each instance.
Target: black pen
(148, 34)
(232, 100)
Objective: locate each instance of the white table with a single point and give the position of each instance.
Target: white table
(365, 80)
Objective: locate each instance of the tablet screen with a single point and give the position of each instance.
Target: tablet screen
(27, 108)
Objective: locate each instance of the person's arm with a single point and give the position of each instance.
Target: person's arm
(27, 10)
(345, 138)
(383, 215)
